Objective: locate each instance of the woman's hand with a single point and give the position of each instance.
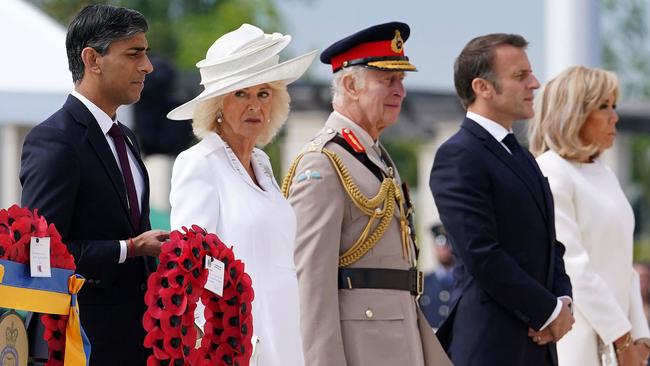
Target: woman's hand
(627, 352)
(629, 357)
(642, 347)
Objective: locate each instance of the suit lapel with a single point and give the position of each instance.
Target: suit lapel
(500, 152)
(98, 142)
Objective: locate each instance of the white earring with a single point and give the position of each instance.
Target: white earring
(219, 117)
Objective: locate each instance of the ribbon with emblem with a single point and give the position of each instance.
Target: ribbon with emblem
(53, 295)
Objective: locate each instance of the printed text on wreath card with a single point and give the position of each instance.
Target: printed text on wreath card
(215, 275)
(39, 257)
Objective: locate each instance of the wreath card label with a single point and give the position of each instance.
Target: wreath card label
(215, 275)
(39, 257)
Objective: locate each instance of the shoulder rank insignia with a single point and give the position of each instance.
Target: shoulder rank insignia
(308, 175)
(352, 140)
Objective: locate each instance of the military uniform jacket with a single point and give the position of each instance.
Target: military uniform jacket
(359, 326)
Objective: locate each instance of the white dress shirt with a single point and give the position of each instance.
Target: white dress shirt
(499, 133)
(211, 188)
(105, 123)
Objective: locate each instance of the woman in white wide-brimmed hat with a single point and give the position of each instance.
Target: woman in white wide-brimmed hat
(226, 185)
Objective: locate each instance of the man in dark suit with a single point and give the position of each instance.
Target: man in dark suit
(82, 169)
(512, 296)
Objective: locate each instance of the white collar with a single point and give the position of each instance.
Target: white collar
(259, 161)
(493, 128)
(105, 122)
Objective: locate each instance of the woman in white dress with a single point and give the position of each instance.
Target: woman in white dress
(575, 122)
(226, 185)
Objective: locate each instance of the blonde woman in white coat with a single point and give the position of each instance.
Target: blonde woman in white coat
(575, 121)
(226, 185)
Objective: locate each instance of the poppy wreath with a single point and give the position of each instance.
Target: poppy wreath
(173, 292)
(17, 226)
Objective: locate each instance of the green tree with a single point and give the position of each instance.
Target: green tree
(625, 45)
(627, 52)
(181, 30)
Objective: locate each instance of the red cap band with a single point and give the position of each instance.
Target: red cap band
(365, 50)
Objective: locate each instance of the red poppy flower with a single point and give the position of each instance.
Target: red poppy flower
(245, 288)
(152, 361)
(160, 350)
(19, 253)
(227, 256)
(154, 334)
(5, 245)
(51, 325)
(198, 357)
(173, 246)
(53, 233)
(246, 326)
(224, 354)
(153, 282)
(189, 333)
(155, 310)
(40, 225)
(173, 345)
(22, 225)
(197, 229)
(174, 300)
(17, 212)
(176, 277)
(170, 323)
(149, 322)
(4, 217)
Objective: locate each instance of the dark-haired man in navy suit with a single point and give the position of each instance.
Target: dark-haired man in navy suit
(512, 297)
(82, 169)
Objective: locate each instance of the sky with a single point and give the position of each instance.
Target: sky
(439, 29)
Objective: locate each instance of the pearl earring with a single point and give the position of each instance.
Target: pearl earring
(219, 117)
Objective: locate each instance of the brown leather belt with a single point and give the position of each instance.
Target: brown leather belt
(381, 278)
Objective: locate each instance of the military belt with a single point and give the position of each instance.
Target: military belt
(382, 278)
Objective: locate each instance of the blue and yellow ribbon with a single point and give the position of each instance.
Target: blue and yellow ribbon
(51, 295)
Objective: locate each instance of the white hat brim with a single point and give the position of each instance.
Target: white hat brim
(288, 72)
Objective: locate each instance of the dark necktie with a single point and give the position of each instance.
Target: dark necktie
(120, 145)
(519, 156)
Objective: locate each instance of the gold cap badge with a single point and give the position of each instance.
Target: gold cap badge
(397, 43)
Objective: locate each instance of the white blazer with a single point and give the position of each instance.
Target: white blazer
(211, 188)
(595, 222)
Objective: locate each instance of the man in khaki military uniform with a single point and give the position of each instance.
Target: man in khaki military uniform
(355, 255)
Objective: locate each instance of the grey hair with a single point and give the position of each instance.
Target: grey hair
(204, 119)
(358, 73)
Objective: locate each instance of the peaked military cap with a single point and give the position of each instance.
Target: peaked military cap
(380, 47)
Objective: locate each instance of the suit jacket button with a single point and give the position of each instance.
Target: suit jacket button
(97, 282)
(369, 314)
